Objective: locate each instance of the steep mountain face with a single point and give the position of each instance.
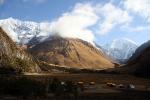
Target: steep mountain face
(71, 53)
(120, 50)
(14, 58)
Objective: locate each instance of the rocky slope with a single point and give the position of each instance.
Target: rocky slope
(72, 53)
(13, 58)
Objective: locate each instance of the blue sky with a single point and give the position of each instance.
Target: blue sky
(103, 20)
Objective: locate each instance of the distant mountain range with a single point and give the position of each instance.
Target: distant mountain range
(31, 37)
(28, 32)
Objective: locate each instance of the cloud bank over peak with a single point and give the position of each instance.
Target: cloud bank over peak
(76, 23)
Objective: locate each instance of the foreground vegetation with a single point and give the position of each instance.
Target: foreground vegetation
(64, 87)
(25, 87)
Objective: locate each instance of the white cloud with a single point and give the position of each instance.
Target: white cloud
(76, 23)
(112, 16)
(130, 28)
(1, 2)
(141, 7)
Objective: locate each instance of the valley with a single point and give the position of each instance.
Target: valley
(36, 66)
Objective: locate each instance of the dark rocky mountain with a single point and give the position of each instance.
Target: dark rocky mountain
(70, 53)
(14, 58)
(139, 51)
(141, 60)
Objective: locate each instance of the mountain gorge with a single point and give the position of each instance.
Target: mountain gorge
(13, 58)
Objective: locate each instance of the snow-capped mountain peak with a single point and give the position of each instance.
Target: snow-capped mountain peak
(120, 49)
(23, 31)
(120, 43)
